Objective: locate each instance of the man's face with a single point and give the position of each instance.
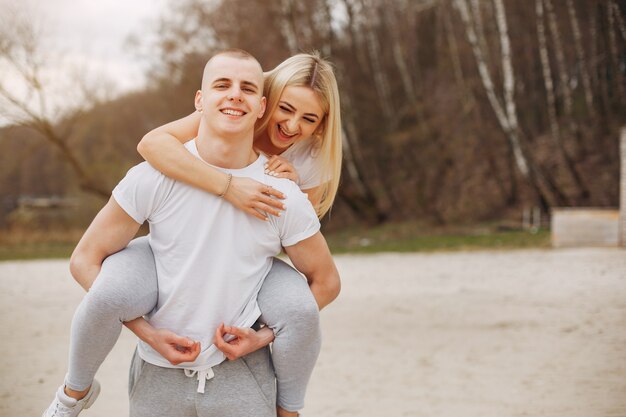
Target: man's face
(231, 98)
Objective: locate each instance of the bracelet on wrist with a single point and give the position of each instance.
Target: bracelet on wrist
(223, 193)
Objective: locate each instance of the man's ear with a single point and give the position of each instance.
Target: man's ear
(263, 107)
(198, 101)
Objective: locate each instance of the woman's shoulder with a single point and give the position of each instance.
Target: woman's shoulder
(305, 149)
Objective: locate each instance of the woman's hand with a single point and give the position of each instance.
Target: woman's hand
(254, 198)
(279, 167)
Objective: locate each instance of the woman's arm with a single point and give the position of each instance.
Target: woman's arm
(312, 194)
(163, 149)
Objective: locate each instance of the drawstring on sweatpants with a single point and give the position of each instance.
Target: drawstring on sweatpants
(203, 376)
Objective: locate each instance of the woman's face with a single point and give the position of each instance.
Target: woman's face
(296, 117)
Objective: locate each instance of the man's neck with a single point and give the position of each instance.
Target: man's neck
(232, 152)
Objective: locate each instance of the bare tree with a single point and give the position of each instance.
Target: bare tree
(564, 84)
(547, 72)
(370, 23)
(509, 126)
(580, 54)
(288, 26)
(613, 13)
(21, 54)
(399, 55)
(583, 192)
(506, 112)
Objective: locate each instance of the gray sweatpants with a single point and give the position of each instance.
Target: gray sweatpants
(126, 288)
(241, 388)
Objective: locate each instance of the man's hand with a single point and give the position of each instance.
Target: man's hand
(243, 342)
(176, 349)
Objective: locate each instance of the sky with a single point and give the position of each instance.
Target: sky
(95, 31)
(90, 36)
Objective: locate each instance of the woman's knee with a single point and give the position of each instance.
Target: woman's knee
(126, 284)
(294, 311)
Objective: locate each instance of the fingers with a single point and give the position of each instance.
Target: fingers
(258, 214)
(228, 350)
(272, 163)
(280, 167)
(237, 331)
(277, 164)
(177, 354)
(176, 357)
(181, 341)
(273, 192)
(286, 174)
(269, 205)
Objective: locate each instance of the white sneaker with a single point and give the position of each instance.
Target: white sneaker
(66, 406)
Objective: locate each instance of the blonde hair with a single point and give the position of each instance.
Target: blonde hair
(311, 70)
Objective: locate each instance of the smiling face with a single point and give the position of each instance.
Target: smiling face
(231, 98)
(296, 117)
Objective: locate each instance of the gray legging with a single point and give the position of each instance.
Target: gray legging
(126, 288)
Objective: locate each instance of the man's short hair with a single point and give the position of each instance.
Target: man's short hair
(233, 53)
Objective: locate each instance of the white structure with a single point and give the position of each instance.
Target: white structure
(593, 226)
(622, 190)
(585, 227)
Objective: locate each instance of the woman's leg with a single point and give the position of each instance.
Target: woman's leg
(125, 289)
(289, 309)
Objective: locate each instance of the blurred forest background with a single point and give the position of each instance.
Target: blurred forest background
(454, 111)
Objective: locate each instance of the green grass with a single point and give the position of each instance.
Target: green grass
(398, 237)
(38, 250)
(409, 237)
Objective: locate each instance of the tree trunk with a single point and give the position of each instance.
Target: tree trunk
(485, 76)
(583, 192)
(580, 54)
(560, 59)
(468, 98)
(619, 20)
(287, 28)
(507, 120)
(398, 56)
(381, 83)
(477, 18)
(547, 72)
(615, 55)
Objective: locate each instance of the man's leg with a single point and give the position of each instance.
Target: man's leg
(160, 392)
(289, 309)
(245, 387)
(241, 388)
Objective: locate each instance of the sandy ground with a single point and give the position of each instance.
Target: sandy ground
(522, 333)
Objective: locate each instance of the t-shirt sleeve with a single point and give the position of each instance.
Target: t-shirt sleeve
(141, 192)
(299, 221)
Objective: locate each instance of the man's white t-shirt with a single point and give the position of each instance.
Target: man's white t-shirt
(211, 257)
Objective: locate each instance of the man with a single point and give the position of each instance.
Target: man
(211, 259)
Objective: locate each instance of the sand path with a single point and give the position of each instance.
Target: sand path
(520, 333)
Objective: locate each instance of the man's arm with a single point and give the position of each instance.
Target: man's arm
(109, 232)
(312, 258)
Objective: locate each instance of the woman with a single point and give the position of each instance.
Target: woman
(301, 130)
(310, 154)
